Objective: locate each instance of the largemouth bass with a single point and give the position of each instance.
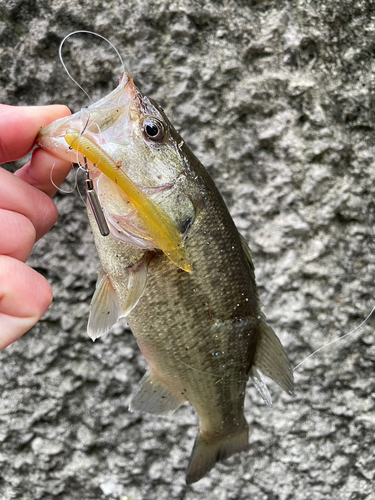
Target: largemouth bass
(176, 266)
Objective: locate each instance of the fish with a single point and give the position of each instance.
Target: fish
(175, 265)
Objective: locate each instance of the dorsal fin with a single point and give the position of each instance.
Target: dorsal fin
(249, 260)
(248, 253)
(260, 384)
(271, 360)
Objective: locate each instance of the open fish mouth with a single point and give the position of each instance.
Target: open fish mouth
(93, 122)
(122, 217)
(84, 138)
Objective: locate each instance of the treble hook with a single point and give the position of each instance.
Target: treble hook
(94, 203)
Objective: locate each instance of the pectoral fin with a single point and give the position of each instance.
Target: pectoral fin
(153, 397)
(136, 286)
(104, 308)
(271, 360)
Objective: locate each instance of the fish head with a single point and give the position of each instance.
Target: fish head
(131, 128)
(134, 133)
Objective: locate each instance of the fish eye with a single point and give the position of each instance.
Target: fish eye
(153, 129)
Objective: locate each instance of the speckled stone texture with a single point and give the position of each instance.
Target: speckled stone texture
(277, 100)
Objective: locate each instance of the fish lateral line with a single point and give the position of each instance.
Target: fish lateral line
(336, 340)
(161, 227)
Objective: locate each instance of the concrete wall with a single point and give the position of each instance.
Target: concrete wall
(277, 100)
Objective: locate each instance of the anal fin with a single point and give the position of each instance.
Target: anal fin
(153, 397)
(271, 360)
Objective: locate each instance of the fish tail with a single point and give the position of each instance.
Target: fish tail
(206, 452)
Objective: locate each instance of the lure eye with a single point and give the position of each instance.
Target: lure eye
(153, 129)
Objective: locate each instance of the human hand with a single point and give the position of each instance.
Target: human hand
(26, 214)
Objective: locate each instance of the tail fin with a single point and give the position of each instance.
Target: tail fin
(205, 454)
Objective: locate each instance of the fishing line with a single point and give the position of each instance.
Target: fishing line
(58, 188)
(88, 110)
(336, 340)
(81, 135)
(79, 191)
(90, 33)
(87, 122)
(195, 369)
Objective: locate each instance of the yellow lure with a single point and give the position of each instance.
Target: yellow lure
(158, 223)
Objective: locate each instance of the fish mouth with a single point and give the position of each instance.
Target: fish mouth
(93, 122)
(121, 216)
(82, 138)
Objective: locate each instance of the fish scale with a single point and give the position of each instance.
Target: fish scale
(180, 272)
(191, 323)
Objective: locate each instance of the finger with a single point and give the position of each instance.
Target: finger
(17, 196)
(21, 289)
(44, 171)
(18, 235)
(20, 125)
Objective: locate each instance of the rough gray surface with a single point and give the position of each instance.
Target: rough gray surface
(277, 100)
